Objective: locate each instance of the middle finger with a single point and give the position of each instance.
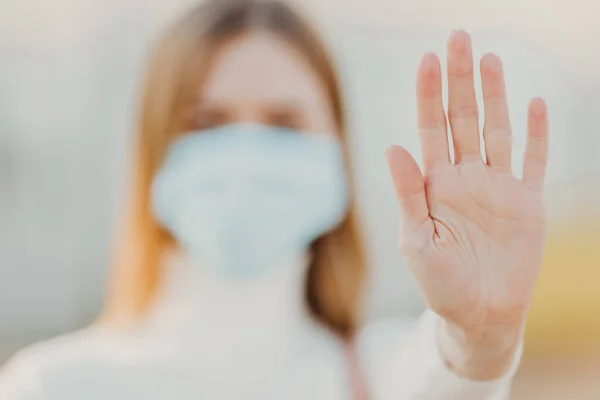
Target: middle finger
(463, 114)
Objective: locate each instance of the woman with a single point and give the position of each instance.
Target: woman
(240, 268)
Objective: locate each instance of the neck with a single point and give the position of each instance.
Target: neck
(234, 322)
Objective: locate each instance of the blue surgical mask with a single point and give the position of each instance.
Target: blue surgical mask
(240, 197)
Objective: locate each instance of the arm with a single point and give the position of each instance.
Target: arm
(473, 234)
(403, 362)
(479, 355)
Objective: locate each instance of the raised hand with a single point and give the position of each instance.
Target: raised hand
(472, 232)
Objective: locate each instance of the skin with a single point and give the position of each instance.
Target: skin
(259, 78)
(473, 233)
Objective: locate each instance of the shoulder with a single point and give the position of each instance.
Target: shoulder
(379, 341)
(397, 347)
(25, 373)
(385, 330)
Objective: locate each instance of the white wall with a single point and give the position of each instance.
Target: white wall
(68, 80)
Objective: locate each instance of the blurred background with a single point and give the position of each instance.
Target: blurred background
(69, 73)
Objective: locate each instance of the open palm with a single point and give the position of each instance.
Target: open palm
(472, 232)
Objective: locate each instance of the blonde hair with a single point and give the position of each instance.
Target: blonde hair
(335, 279)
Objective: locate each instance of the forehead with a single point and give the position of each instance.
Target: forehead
(260, 67)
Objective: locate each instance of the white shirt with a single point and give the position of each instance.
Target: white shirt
(208, 340)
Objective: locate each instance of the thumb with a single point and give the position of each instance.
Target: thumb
(409, 186)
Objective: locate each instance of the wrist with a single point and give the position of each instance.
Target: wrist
(479, 354)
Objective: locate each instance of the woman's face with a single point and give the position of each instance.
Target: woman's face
(259, 78)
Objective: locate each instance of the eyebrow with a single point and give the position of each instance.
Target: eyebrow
(273, 105)
(286, 107)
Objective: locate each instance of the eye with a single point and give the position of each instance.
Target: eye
(207, 118)
(291, 119)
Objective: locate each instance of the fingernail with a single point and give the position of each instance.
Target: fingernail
(491, 61)
(460, 39)
(388, 152)
(538, 106)
(429, 61)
